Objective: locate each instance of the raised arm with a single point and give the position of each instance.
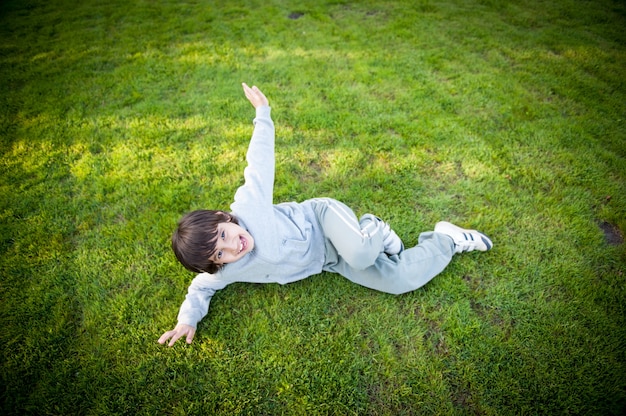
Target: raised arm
(257, 190)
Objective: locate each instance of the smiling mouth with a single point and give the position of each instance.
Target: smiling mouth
(242, 244)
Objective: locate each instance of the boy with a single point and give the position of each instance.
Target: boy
(261, 242)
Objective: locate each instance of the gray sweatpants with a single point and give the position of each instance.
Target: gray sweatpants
(354, 249)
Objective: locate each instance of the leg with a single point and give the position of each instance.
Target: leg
(405, 272)
(415, 267)
(358, 243)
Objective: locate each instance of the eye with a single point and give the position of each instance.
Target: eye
(223, 235)
(219, 255)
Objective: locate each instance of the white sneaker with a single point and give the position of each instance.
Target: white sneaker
(391, 242)
(464, 240)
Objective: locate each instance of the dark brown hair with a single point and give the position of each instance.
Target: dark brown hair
(194, 240)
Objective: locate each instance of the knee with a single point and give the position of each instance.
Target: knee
(359, 258)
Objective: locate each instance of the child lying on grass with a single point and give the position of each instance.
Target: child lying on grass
(261, 242)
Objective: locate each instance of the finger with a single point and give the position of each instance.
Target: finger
(190, 336)
(249, 94)
(174, 339)
(165, 337)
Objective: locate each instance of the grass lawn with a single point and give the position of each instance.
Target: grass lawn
(117, 117)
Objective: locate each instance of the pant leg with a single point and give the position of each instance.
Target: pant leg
(404, 272)
(357, 243)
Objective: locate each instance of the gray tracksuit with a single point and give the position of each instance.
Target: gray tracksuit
(293, 241)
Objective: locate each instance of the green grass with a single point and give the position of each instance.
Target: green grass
(117, 117)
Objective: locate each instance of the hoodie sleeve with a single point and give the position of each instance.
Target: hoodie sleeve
(257, 190)
(199, 294)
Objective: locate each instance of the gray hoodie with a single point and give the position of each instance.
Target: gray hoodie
(288, 242)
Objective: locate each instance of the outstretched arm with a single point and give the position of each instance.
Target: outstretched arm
(255, 96)
(194, 307)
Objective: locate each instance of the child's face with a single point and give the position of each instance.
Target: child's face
(233, 243)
